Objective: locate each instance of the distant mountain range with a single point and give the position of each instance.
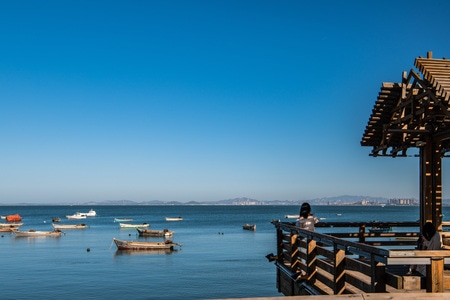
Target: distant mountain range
(338, 200)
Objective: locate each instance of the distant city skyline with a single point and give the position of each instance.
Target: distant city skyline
(204, 100)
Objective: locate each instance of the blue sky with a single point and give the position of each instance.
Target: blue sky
(204, 100)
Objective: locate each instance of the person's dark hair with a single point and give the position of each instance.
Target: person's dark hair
(428, 230)
(305, 210)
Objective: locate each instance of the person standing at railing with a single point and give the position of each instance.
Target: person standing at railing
(306, 219)
(430, 240)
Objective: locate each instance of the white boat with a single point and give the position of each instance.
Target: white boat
(90, 213)
(292, 216)
(69, 226)
(123, 219)
(174, 219)
(76, 216)
(10, 225)
(127, 225)
(37, 233)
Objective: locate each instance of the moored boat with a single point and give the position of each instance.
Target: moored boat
(292, 216)
(127, 225)
(251, 227)
(155, 232)
(123, 219)
(90, 213)
(69, 226)
(37, 233)
(380, 229)
(56, 220)
(174, 219)
(76, 216)
(10, 225)
(13, 218)
(10, 228)
(133, 245)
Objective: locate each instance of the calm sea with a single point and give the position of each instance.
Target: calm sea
(218, 258)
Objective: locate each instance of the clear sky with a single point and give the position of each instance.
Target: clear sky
(204, 100)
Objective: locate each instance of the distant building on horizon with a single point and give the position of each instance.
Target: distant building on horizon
(403, 202)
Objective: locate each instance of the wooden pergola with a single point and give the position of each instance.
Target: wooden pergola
(415, 113)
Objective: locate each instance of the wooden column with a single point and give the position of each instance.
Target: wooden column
(311, 260)
(295, 263)
(378, 283)
(435, 275)
(362, 231)
(339, 271)
(431, 184)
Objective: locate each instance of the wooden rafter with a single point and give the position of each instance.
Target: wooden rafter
(406, 114)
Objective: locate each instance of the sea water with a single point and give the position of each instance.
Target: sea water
(218, 259)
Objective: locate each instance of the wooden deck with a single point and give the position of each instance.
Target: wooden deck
(358, 262)
(363, 296)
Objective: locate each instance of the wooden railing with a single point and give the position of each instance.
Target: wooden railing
(352, 262)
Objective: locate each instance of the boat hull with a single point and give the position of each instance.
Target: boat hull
(10, 225)
(155, 233)
(142, 246)
(126, 225)
(35, 233)
(69, 226)
(77, 216)
(123, 219)
(174, 219)
(292, 216)
(251, 227)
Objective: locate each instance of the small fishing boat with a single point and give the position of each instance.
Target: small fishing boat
(292, 216)
(127, 225)
(13, 218)
(69, 226)
(154, 232)
(122, 220)
(251, 227)
(380, 229)
(76, 216)
(91, 213)
(37, 233)
(132, 245)
(10, 225)
(56, 220)
(8, 229)
(174, 219)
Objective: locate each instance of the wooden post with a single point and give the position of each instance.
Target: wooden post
(435, 275)
(280, 258)
(339, 271)
(378, 275)
(431, 184)
(295, 264)
(311, 260)
(362, 231)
